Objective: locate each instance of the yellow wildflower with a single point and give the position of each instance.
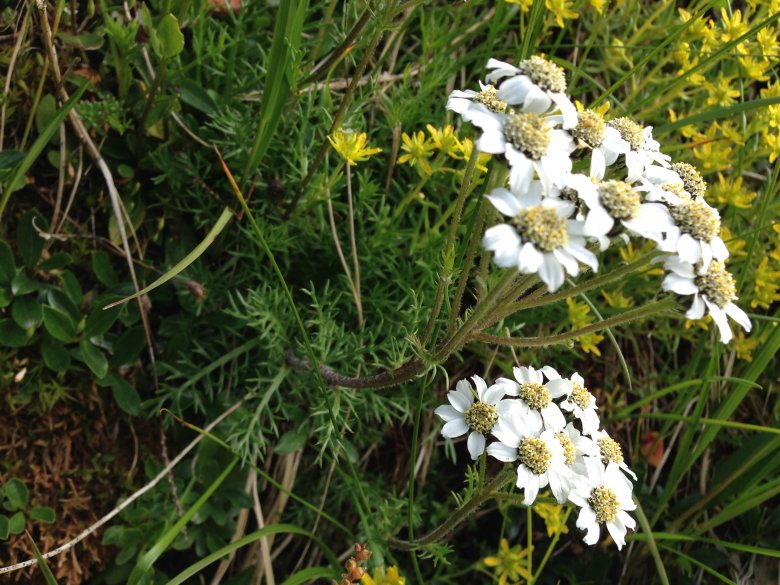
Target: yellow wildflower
(617, 299)
(352, 146)
(699, 30)
(772, 142)
(745, 346)
(418, 150)
(629, 254)
(767, 281)
(465, 147)
(703, 323)
(553, 517)
(735, 246)
(562, 9)
(767, 40)
(713, 150)
(720, 92)
(444, 140)
(755, 69)
(392, 577)
(579, 317)
(731, 191)
(509, 563)
(598, 5)
(525, 5)
(733, 26)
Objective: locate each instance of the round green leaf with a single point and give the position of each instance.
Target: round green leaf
(5, 297)
(43, 514)
(21, 284)
(94, 358)
(16, 493)
(16, 523)
(104, 271)
(55, 356)
(59, 324)
(100, 321)
(169, 37)
(11, 335)
(27, 312)
(126, 396)
(5, 528)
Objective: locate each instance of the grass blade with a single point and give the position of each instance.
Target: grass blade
(47, 574)
(648, 534)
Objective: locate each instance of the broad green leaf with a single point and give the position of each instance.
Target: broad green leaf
(94, 358)
(16, 180)
(58, 299)
(126, 396)
(16, 523)
(169, 37)
(8, 161)
(16, 493)
(23, 284)
(5, 527)
(223, 220)
(104, 271)
(56, 262)
(27, 238)
(84, 40)
(27, 312)
(100, 321)
(7, 265)
(59, 324)
(11, 335)
(194, 95)
(43, 514)
(128, 347)
(5, 297)
(72, 288)
(55, 356)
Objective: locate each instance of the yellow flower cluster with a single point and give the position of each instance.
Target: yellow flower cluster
(351, 146)
(510, 564)
(579, 317)
(418, 149)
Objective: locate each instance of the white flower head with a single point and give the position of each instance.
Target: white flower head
(541, 238)
(695, 237)
(614, 201)
(540, 455)
(610, 451)
(473, 105)
(604, 499)
(577, 448)
(537, 396)
(579, 401)
(644, 149)
(536, 85)
(713, 290)
(604, 142)
(531, 144)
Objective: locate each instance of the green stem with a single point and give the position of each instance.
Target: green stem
(412, 465)
(638, 313)
(449, 250)
(529, 516)
(550, 548)
(504, 477)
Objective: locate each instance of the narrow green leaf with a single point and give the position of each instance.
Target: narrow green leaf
(310, 575)
(648, 534)
(222, 221)
(27, 239)
(147, 560)
(17, 493)
(5, 527)
(704, 566)
(11, 335)
(94, 358)
(104, 271)
(59, 324)
(47, 574)
(715, 114)
(37, 147)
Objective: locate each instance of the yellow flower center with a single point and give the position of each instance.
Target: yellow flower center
(696, 218)
(630, 131)
(691, 178)
(481, 417)
(717, 284)
(534, 454)
(610, 450)
(620, 199)
(543, 227)
(569, 450)
(489, 97)
(605, 503)
(529, 134)
(535, 395)
(546, 75)
(580, 395)
(590, 128)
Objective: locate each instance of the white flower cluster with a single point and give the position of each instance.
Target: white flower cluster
(558, 443)
(576, 178)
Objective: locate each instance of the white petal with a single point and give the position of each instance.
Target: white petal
(582, 254)
(618, 532)
(688, 249)
(476, 445)
(461, 398)
(480, 386)
(696, 311)
(508, 387)
(502, 452)
(514, 91)
(448, 412)
(531, 490)
(567, 109)
(558, 387)
(492, 142)
(569, 263)
(679, 284)
(598, 222)
(454, 428)
(504, 201)
(720, 319)
(529, 259)
(719, 249)
(553, 417)
(551, 373)
(598, 164)
(521, 170)
(536, 101)
(738, 315)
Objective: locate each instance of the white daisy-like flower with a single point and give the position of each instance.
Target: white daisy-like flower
(713, 290)
(576, 449)
(611, 201)
(536, 85)
(691, 179)
(604, 499)
(469, 103)
(610, 451)
(541, 238)
(695, 237)
(530, 143)
(578, 400)
(604, 142)
(473, 413)
(536, 395)
(541, 458)
(644, 150)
